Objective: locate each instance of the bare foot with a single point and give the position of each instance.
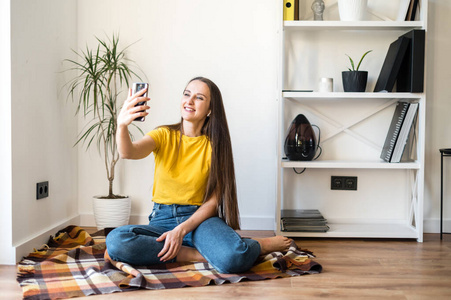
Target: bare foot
(107, 257)
(274, 243)
(187, 254)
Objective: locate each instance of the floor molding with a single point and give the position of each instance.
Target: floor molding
(265, 223)
(23, 248)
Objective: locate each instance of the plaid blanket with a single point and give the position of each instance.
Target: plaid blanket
(72, 265)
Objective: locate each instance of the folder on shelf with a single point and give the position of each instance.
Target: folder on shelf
(403, 10)
(413, 9)
(410, 149)
(392, 63)
(290, 10)
(393, 131)
(404, 132)
(411, 73)
(399, 132)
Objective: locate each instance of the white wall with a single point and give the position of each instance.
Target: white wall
(43, 126)
(232, 42)
(7, 254)
(438, 126)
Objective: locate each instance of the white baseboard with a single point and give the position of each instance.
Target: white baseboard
(433, 225)
(266, 223)
(257, 223)
(24, 247)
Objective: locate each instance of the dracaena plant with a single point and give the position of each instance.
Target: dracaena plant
(358, 65)
(101, 74)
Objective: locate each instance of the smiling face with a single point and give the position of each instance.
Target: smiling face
(195, 104)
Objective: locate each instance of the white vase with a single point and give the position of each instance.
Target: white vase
(352, 10)
(111, 212)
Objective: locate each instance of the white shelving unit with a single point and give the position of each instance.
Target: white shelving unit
(408, 222)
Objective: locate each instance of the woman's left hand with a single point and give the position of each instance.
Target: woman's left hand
(172, 242)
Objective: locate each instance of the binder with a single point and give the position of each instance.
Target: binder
(404, 133)
(290, 10)
(392, 63)
(411, 14)
(411, 72)
(403, 10)
(393, 131)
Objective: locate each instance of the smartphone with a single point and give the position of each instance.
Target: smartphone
(137, 86)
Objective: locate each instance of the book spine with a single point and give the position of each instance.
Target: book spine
(404, 133)
(393, 131)
(414, 10)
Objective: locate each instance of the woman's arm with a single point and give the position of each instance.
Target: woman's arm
(174, 238)
(129, 112)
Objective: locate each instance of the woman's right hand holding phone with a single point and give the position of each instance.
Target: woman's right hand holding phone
(130, 111)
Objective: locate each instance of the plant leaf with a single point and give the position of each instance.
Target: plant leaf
(352, 62)
(363, 56)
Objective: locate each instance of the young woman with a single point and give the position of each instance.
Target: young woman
(195, 212)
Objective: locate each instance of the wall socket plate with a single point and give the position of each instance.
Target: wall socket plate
(346, 183)
(42, 190)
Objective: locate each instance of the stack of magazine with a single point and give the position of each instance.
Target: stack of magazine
(307, 220)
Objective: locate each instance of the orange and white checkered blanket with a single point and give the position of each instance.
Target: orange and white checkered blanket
(72, 265)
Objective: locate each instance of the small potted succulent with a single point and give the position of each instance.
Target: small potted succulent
(355, 80)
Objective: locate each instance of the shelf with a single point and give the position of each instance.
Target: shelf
(342, 95)
(307, 51)
(330, 164)
(354, 26)
(359, 231)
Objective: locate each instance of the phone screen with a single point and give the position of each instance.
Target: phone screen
(137, 86)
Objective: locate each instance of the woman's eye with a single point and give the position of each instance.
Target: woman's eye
(186, 94)
(200, 98)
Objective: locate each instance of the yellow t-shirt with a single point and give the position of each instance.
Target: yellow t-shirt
(184, 182)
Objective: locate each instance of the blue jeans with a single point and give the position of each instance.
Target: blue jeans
(218, 243)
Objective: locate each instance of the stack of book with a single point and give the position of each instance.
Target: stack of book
(308, 220)
(400, 141)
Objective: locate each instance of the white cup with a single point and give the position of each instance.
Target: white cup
(326, 85)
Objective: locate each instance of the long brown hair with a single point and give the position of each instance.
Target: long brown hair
(221, 180)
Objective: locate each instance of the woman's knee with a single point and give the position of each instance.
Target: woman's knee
(116, 242)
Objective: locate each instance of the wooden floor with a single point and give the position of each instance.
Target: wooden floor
(352, 269)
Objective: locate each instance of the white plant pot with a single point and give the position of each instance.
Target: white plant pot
(352, 10)
(111, 212)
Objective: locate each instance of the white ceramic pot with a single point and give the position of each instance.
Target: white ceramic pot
(352, 10)
(111, 212)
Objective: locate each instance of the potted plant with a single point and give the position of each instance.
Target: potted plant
(100, 76)
(355, 80)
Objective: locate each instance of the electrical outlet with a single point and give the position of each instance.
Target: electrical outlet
(42, 190)
(348, 183)
(336, 183)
